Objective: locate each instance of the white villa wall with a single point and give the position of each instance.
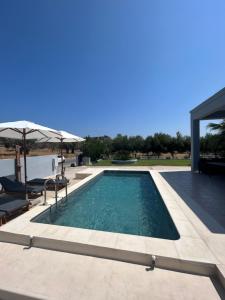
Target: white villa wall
(7, 167)
(37, 166)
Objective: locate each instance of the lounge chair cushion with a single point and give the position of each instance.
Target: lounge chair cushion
(35, 189)
(41, 181)
(11, 177)
(2, 214)
(9, 206)
(18, 187)
(2, 217)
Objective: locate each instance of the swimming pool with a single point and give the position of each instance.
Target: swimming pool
(115, 201)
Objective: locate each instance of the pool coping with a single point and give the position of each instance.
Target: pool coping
(84, 175)
(190, 253)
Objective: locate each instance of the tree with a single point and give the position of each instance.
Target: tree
(212, 143)
(179, 142)
(160, 143)
(120, 142)
(148, 144)
(95, 148)
(136, 143)
(172, 146)
(187, 145)
(216, 142)
(220, 128)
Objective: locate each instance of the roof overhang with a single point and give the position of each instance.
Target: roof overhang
(212, 108)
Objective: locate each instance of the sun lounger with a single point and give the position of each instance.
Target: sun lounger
(12, 206)
(15, 187)
(2, 217)
(41, 181)
(50, 184)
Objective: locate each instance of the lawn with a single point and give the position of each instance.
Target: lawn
(150, 162)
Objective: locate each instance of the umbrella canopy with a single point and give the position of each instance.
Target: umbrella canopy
(16, 130)
(26, 130)
(65, 137)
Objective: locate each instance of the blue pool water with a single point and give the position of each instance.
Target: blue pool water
(116, 201)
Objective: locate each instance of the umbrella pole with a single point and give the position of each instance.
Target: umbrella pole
(25, 161)
(62, 171)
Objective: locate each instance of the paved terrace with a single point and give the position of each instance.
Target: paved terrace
(44, 274)
(188, 197)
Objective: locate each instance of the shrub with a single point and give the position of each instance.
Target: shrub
(122, 155)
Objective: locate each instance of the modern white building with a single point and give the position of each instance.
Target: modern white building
(212, 108)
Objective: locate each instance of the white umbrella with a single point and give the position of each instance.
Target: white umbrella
(26, 130)
(65, 137)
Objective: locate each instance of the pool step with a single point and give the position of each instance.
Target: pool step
(14, 238)
(175, 264)
(82, 175)
(163, 262)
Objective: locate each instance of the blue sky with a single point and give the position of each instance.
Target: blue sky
(110, 66)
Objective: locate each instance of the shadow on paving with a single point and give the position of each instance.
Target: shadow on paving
(204, 194)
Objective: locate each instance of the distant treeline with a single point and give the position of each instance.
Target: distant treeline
(33, 145)
(123, 146)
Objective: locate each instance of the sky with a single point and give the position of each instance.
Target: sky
(110, 66)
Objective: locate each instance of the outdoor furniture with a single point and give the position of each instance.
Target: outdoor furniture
(16, 187)
(11, 206)
(65, 137)
(26, 130)
(61, 183)
(212, 166)
(2, 217)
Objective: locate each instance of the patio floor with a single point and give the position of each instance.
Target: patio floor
(45, 274)
(50, 274)
(204, 194)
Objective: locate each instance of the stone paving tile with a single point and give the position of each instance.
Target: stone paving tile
(197, 242)
(194, 249)
(57, 275)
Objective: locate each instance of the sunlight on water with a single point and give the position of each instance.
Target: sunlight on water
(117, 201)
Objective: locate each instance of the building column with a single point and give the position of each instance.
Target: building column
(195, 144)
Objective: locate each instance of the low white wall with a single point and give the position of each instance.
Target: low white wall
(7, 167)
(37, 166)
